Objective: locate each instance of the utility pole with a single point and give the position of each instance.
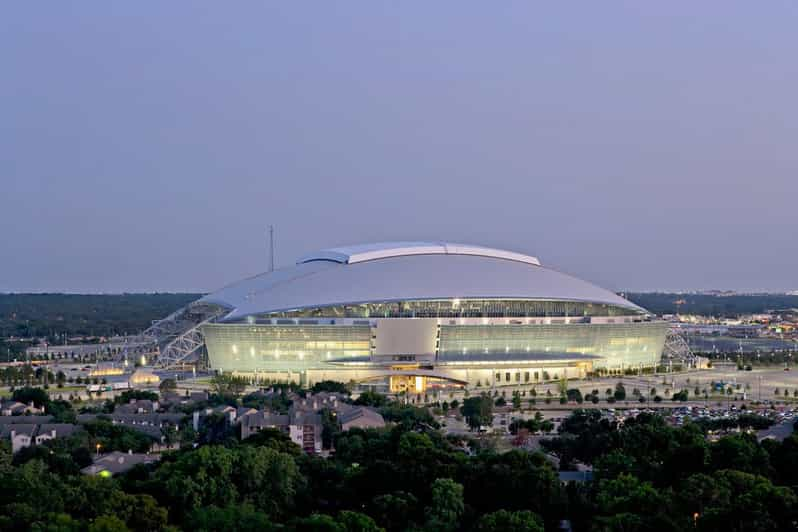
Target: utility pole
(271, 248)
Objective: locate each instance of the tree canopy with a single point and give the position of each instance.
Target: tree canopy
(409, 476)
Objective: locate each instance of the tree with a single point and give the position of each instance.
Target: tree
(268, 479)
(516, 400)
(108, 523)
(228, 385)
(330, 428)
(408, 416)
(274, 439)
(135, 395)
(741, 501)
(236, 518)
(626, 503)
(620, 392)
(447, 505)
(369, 398)
(504, 521)
(357, 522)
(575, 395)
(478, 411)
(61, 411)
(200, 478)
(317, 523)
(680, 396)
(739, 452)
(27, 395)
(140, 512)
(395, 510)
(330, 387)
(167, 385)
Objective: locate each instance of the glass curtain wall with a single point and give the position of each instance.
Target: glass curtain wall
(457, 308)
(277, 348)
(616, 345)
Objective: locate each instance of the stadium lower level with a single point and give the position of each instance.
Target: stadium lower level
(468, 354)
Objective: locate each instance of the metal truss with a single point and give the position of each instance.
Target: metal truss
(177, 339)
(183, 341)
(677, 348)
(187, 347)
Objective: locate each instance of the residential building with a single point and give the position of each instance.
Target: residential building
(116, 462)
(361, 417)
(254, 423)
(26, 434)
(137, 406)
(15, 408)
(305, 430)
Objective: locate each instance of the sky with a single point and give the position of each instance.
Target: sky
(146, 146)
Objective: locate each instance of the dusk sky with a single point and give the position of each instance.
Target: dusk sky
(146, 146)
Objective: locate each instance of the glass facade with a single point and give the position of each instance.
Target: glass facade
(296, 348)
(245, 348)
(460, 308)
(619, 345)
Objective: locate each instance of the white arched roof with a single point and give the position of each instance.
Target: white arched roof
(381, 273)
(384, 250)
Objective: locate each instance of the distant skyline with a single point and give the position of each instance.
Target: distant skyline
(147, 147)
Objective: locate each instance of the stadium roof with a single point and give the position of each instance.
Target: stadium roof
(383, 250)
(405, 271)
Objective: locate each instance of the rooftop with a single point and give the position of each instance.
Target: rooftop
(117, 462)
(362, 412)
(405, 271)
(382, 250)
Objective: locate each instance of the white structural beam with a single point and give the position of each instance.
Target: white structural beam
(676, 347)
(177, 338)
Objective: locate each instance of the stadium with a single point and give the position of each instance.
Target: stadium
(417, 314)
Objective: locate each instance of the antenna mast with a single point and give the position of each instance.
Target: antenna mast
(271, 248)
